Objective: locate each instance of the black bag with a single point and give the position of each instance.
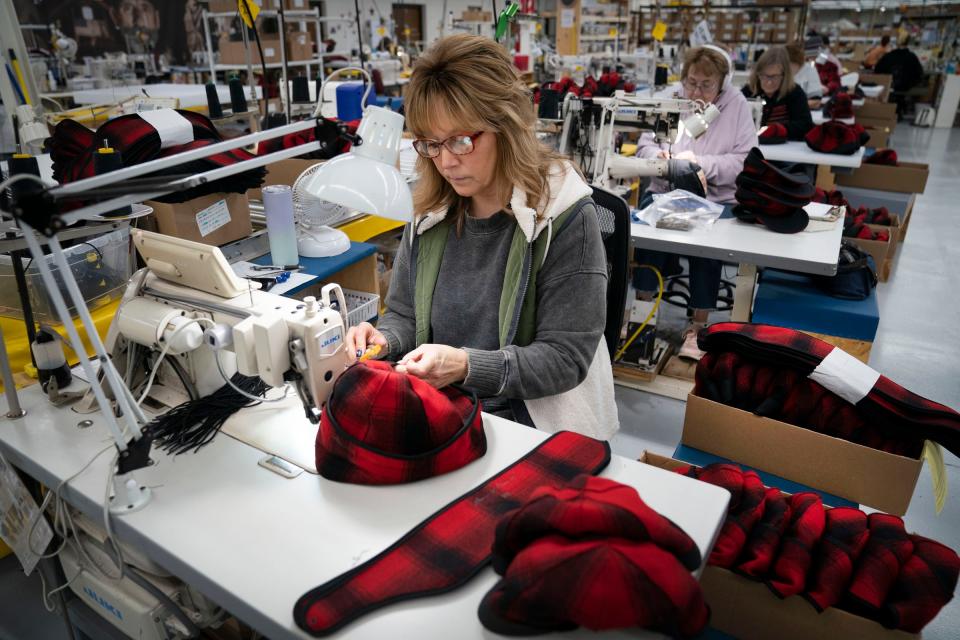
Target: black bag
(856, 274)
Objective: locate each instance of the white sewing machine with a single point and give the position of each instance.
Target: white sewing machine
(189, 301)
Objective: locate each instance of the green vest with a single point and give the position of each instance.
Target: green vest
(517, 314)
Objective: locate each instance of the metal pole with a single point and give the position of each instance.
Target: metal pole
(14, 410)
(206, 33)
(16, 258)
(283, 60)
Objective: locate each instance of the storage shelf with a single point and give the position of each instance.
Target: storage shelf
(603, 19)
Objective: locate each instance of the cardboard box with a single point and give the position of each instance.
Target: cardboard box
(907, 177)
(475, 15)
(296, 5)
(900, 204)
(881, 250)
(748, 610)
(230, 6)
(867, 476)
(885, 80)
(234, 52)
(283, 172)
(879, 137)
(300, 45)
(214, 219)
(881, 110)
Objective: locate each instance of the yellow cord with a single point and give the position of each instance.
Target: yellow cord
(656, 305)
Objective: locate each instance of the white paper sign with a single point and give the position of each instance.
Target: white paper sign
(566, 18)
(17, 513)
(213, 217)
(268, 52)
(701, 34)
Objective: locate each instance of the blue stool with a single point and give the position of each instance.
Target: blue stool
(792, 300)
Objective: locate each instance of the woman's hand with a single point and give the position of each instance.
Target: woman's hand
(361, 337)
(686, 155)
(437, 364)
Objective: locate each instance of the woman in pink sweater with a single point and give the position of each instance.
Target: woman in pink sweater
(706, 76)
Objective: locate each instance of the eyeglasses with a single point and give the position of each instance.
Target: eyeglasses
(768, 78)
(458, 145)
(705, 87)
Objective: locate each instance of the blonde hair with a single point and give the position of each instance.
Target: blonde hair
(707, 61)
(473, 81)
(773, 56)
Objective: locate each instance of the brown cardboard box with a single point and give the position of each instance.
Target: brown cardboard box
(233, 52)
(907, 177)
(881, 250)
(868, 476)
(475, 15)
(214, 219)
(883, 79)
(900, 204)
(748, 610)
(300, 45)
(879, 110)
(879, 137)
(283, 172)
(228, 6)
(296, 5)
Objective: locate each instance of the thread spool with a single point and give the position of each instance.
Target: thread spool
(301, 90)
(105, 160)
(238, 101)
(281, 229)
(51, 361)
(213, 101)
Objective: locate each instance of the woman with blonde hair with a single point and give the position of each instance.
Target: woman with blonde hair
(500, 281)
(784, 101)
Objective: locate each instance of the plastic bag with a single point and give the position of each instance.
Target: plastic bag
(680, 209)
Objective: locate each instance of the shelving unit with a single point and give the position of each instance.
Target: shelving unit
(602, 23)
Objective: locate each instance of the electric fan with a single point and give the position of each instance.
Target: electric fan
(313, 217)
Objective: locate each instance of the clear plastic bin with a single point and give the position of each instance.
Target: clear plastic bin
(100, 265)
(361, 307)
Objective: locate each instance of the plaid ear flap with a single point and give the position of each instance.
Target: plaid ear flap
(888, 548)
(843, 540)
(925, 585)
(789, 575)
(883, 156)
(761, 547)
(773, 133)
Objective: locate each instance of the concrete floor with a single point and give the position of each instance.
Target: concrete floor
(918, 346)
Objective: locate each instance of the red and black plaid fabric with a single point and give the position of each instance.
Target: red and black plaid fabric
(883, 156)
(740, 521)
(925, 585)
(888, 548)
(843, 541)
(807, 521)
(840, 107)
(773, 133)
(829, 74)
(451, 546)
(589, 507)
(380, 426)
(761, 547)
(303, 137)
(72, 149)
(837, 137)
(772, 196)
(895, 411)
(834, 197)
(880, 215)
(558, 584)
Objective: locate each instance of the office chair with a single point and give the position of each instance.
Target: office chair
(613, 214)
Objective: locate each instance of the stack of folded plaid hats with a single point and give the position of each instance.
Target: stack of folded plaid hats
(840, 107)
(771, 196)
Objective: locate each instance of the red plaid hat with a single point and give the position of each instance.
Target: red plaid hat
(384, 427)
(839, 107)
(757, 167)
(773, 133)
(556, 584)
(883, 156)
(589, 507)
(837, 137)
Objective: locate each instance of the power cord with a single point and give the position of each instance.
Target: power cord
(646, 321)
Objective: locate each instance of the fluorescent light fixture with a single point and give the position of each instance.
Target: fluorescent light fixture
(366, 179)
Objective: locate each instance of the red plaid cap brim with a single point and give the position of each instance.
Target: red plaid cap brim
(773, 133)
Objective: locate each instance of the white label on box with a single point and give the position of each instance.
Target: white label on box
(18, 511)
(846, 376)
(268, 52)
(566, 18)
(172, 127)
(213, 217)
(86, 12)
(298, 4)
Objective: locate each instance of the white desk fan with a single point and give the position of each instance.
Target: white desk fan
(313, 217)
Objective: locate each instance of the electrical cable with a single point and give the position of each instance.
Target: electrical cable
(163, 354)
(226, 378)
(336, 72)
(646, 321)
(136, 577)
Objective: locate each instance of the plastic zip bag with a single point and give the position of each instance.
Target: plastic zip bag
(680, 209)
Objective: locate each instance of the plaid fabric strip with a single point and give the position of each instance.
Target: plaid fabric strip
(789, 575)
(925, 585)
(740, 522)
(761, 547)
(451, 546)
(843, 541)
(888, 548)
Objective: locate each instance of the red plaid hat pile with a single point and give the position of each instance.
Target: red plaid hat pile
(860, 404)
(773, 133)
(72, 149)
(837, 137)
(860, 215)
(840, 557)
(829, 76)
(335, 145)
(771, 196)
(883, 156)
(384, 427)
(855, 223)
(592, 554)
(840, 107)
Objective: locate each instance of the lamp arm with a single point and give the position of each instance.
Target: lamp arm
(323, 85)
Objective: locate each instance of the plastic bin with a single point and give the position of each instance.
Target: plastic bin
(361, 307)
(101, 267)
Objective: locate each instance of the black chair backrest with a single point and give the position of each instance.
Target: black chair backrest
(613, 213)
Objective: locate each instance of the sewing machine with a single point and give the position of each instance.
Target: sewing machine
(189, 302)
(589, 126)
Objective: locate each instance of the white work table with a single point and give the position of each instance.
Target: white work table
(819, 118)
(750, 245)
(190, 95)
(794, 151)
(254, 541)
